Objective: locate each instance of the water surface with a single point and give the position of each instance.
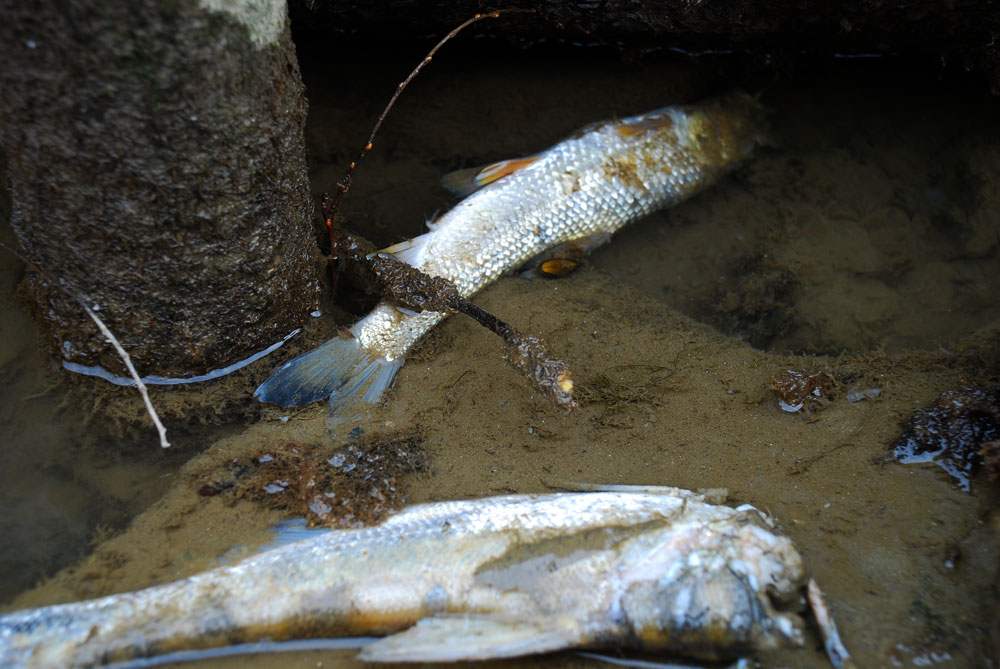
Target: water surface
(862, 243)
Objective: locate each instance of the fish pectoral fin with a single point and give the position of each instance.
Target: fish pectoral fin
(474, 637)
(565, 256)
(468, 181)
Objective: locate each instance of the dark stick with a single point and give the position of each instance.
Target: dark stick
(413, 289)
(410, 288)
(526, 354)
(485, 318)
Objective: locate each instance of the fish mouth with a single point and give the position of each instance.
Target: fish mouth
(726, 130)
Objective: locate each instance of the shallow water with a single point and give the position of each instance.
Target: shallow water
(868, 231)
(60, 487)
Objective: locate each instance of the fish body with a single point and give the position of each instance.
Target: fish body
(652, 568)
(587, 186)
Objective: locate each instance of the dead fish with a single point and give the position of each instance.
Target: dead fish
(653, 568)
(586, 187)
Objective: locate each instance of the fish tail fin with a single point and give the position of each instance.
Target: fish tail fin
(410, 251)
(373, 379)
(338, 369)
(292, 531)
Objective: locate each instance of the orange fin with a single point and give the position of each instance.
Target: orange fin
(565, 258)
(650, 122)
(468, 181)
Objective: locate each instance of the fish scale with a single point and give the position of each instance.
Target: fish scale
(593, 183)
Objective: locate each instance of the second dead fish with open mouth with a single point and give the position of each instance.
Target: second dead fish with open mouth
(651, 568)
(587, 186)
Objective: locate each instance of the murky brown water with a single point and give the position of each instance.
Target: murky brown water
(867, 234)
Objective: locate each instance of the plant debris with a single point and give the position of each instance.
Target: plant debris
(990, 450)
(357, 486)
(799, 390)
(955, 433)
(642, 387)
(752, 301)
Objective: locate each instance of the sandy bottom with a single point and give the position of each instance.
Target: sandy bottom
(863, 244)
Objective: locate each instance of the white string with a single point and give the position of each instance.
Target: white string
(131, 370)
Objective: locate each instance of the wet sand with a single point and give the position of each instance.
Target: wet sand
(867, 234)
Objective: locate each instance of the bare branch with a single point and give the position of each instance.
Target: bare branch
(345, 184)
(131, 370)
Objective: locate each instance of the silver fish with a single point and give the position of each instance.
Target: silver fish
(653, 568)
(587, 186)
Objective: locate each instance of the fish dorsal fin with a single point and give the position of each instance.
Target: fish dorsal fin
(654, 121)
(468, 181)
(474, 637)
(710, 495)
(410, 251)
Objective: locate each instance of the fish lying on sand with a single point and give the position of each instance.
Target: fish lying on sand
(653, 568)
(586, 187)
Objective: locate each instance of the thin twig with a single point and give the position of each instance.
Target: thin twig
(345, 184)
(107, 334)
(131, 370)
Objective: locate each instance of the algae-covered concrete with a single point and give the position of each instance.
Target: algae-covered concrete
(157, 168)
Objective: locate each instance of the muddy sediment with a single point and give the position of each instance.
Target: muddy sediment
(712, 421)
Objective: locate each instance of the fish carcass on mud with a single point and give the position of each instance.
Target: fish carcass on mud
(653, 568)
(586, 187)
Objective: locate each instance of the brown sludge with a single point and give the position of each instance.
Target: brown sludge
(357, 485)
(797, 389)
(954, 432)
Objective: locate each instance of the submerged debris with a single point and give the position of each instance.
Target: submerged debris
(629, 399)
(856, 395)
(835, 650)
(954, 433)
(527, 354)
(752, 301)
(799, 390)
(357, 486)
(990, 451)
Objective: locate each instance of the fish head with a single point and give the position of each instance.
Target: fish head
(714, 590)
(723, 132)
